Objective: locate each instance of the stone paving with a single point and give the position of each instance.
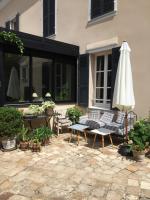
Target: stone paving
(65, 171)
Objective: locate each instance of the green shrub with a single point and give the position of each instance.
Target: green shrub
(11, 121)
(41, 134)
(74, 114)
(140, 135)
(23, 136)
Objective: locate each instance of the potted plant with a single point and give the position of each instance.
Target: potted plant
(74, 114)
(11, 121)
(48, 107)
(43, 134)
(140, 139)
(36, 145)
(24, 139)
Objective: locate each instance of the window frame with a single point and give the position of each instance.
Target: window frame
(55, 19)
(101, 17)
(103, 105)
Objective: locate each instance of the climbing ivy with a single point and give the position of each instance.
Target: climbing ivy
(12, 38)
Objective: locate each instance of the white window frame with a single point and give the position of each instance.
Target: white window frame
(104, 104)
(102, 17)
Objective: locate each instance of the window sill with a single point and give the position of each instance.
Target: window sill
(99, 108)
(102, 18)
(51, 36)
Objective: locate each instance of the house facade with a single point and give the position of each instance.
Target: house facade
(98, 28)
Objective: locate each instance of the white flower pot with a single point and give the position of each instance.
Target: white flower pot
(8, 144)
(138, 155)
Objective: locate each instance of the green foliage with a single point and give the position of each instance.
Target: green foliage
(13, 39)
(35, 110)
(11, 121)
(23, 135)
(41, 134)
(74, 114)
(47, 104)
(140, 135)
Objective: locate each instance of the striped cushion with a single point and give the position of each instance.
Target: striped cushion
(92, 124)
(107, 117)
(94, 115)
(120, 117)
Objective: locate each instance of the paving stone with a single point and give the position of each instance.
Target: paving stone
(132, 190)
(132, 182)
(132, 168)
(145, 193)
(131, 197)
(64, 171)
(5, 195)
(18, 197)
(145, 185)
(114, 195)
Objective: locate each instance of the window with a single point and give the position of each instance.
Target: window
(62, 82)
(48, 17)
(13, 24)
(103, 80)
(16, 78)
(41, 76)
(25, 75)
(101, 7)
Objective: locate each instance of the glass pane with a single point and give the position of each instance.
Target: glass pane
(99, 101)
(109, 62)
(64, 81)
(100, 63)
(41, 76)
(16, 78)
(108, 93)
(109, 79)
(100, 79)
(99, 93)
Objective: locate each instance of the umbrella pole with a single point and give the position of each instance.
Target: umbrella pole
(126, 126)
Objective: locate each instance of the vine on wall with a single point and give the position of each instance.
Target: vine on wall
(13, 39)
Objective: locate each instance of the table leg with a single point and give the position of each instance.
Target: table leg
(111, 139)
(30, 123)
(94, 140)
(103, 141)
(78, 134)
(70, 136)
(85, 136)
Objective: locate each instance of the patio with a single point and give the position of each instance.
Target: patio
(65, 171)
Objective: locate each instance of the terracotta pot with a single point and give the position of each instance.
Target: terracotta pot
(24, 146)
(9, 143)
(138, 155)
(36, 147)
(46, 142)
(49, 111)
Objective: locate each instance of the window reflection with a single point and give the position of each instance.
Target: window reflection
(16, 77)
(41, 76)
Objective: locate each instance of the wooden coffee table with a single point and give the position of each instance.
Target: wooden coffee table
(78, 128)
(103, 132)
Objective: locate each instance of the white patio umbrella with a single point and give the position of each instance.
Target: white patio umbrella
(123, 97)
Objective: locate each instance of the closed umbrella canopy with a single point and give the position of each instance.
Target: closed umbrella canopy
(123, 97)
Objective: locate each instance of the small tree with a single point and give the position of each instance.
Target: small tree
(74, 114)
(11, 122)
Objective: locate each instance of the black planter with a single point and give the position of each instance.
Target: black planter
(125, 150)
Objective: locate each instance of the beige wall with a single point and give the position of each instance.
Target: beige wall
(131, 23)
(31, 15)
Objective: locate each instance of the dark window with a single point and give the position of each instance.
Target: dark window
(48, 17)
(101, 7)
(25, 75)
(63, 82)
(13, 24)
(16, 78)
